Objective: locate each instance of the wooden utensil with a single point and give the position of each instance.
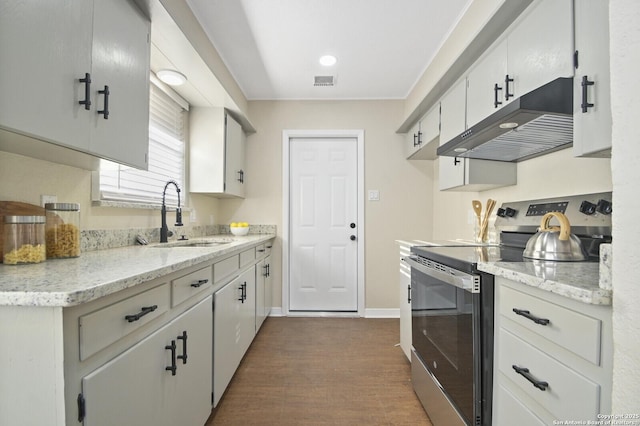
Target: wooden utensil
(477, 208)
(484, 228)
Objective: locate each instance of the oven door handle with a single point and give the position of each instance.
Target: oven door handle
(462, 280)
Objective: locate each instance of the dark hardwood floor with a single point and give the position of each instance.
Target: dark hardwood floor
(322, 371)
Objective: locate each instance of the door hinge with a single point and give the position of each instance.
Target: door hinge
(81, 408)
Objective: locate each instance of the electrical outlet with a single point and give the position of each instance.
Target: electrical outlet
(44, 199)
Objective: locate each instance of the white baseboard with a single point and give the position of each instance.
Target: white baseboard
(368, 313)
(382, 313)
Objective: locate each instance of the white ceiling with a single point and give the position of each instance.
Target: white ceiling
(272, 47)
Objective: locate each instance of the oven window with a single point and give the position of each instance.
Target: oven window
(442, 332)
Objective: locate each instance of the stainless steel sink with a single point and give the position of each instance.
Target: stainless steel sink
(194, 243)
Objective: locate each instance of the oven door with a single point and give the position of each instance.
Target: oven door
(446, 337)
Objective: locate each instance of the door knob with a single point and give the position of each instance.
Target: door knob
(352, 238)
(353, 225)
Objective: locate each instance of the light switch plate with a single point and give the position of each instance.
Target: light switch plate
(374, 195)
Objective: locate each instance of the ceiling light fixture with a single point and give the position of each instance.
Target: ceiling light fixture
(328, 60)
(171, 77)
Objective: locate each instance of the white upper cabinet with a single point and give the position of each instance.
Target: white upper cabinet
(540, 47)
(536, 50)
(60, 43)
(422, 139)
(591, 87)
(216, 153)
(466, 174)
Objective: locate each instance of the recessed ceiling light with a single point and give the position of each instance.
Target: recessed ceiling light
(328, 60)
(171, 77)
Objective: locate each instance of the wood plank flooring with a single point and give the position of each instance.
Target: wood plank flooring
(322, 371)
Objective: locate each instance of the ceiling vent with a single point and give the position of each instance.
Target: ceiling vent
(324, 80)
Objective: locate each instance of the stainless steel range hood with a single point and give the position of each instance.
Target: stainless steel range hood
(534, 124)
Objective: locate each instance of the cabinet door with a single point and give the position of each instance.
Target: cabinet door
(153, 395)
(450, 172)
(45, 48)
(248, 310)
(485, 84)
(592, 128)
(261, 272)
(453, 108)
(234, 158)
(540, 48)
(405, 303)
(268, 287)
(121, 49)
(226, 336)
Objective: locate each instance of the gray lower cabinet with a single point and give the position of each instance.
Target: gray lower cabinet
(234, 328)
(149, 383)
(558, 367)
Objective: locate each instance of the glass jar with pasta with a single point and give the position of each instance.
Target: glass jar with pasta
(63, 230)
(24, 240)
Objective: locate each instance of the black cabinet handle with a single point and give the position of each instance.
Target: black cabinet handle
(507, 94)
(496, 102)
(199, 283)
(269, 247)
(419, 138)
(87, 91)
(524, 372)
(260, 250)
(240, 176)
(173, 367)
(415, 139)
(105, 110)
(527, 314)
(183, 337)
(269, 270)
(456, 161)
(266, 268)
(585, 84)
(409, 294)
(144, 311)
(243, 292)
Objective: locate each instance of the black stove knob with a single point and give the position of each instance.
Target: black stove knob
(604, 207)
(501, 212)
(510, 212)
(587, 208)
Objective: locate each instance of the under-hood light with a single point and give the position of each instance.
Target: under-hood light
(508, 125)
(461, 150)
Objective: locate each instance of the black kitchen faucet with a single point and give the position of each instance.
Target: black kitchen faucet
(164, 230)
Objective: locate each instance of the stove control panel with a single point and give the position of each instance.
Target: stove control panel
(544, 208)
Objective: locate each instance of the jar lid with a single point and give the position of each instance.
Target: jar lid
(62, 206)
(25, 219)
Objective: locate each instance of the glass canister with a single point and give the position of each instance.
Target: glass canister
(63, 230)
(24, 240)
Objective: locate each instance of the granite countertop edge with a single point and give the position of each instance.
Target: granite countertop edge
(577, 281)
(71, 282)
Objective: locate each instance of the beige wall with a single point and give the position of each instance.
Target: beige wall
(551, 175)
(404, 209)
(25, 179)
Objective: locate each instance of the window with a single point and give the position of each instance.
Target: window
(167, 128)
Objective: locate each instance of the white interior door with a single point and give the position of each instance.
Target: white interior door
(323, 251)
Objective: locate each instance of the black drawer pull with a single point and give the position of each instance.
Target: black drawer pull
(87, 91)
(183, 337)
(524, 372)
(496, 102)
(268, 270)
(261, 250)
(173, 367)
(527, 314)
(585, 84)
(508, 80)
(269, 247)
(265, 267)
(145, 310)
(105, 111)
(409, 294)
(199, 283)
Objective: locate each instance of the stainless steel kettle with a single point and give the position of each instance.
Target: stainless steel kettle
(555, 243)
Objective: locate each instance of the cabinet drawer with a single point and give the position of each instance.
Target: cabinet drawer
(184, 287)
(103, 327)
(574, 331)
(510, 408)
(569, 395)
(225, 268)
(261, 251)
(247, 256)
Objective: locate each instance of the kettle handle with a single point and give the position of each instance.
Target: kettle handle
(565, 227)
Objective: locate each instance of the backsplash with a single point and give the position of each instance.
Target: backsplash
(100, 239)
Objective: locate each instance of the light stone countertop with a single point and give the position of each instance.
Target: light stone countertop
(70, 282)
(576, 280)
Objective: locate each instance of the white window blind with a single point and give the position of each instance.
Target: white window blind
(166, 158)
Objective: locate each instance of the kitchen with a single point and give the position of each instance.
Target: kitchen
(435, 215)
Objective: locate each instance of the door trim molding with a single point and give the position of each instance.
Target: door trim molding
(287, 135)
